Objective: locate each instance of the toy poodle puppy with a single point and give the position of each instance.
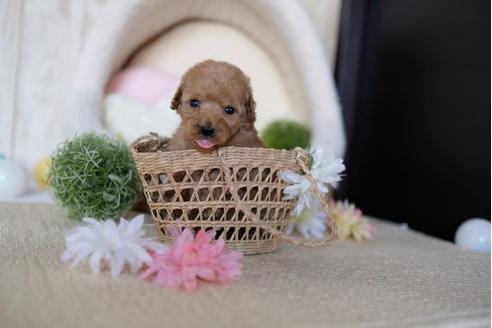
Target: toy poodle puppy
(217, 109)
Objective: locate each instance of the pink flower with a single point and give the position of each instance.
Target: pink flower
(191, 258)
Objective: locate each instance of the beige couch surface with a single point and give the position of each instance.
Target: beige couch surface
(401, 279)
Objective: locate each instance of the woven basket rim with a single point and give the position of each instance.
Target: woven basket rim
(227, 149)
(153, 148)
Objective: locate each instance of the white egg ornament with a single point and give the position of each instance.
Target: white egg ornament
(13, 180)
(474, 234)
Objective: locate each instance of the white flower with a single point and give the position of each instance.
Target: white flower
(311, 223)
(299, 189)
(117, 245)
(324, 170)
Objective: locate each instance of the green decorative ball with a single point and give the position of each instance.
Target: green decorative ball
(94, 176)
(286, 134)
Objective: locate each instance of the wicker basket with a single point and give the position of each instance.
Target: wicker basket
(235, 191)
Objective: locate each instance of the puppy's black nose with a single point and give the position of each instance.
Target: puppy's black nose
(207, 131)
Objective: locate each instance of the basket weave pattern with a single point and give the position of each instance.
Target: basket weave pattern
(191, 189)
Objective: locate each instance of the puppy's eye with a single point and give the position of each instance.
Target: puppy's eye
(194, 103)
(229, 110)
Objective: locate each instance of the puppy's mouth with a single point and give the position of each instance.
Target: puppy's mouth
(205, 143)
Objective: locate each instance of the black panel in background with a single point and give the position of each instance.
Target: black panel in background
(414, 82)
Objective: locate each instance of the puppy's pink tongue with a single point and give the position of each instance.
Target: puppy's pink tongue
(204, 143)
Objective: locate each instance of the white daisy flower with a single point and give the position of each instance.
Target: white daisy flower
(311, 223)
(325, 170)
(106, 242)
(299, 189)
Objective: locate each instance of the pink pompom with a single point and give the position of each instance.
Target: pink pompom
(144, 84)
(193, 258)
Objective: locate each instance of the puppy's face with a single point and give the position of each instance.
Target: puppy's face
(215, 102)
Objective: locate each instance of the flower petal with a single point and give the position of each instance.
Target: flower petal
(291, 177)
(81, 256)
(117, 264)
(95, 262)
(136, 223)
(207, 273)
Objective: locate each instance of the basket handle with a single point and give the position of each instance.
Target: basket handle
(302, 159)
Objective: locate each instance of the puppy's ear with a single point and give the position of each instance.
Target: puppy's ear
(250, 106)
(176, 101)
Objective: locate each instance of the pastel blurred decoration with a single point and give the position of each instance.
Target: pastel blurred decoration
(2, 156)
(474, 234)
(138, 102)
(41, 170)
(13, 179)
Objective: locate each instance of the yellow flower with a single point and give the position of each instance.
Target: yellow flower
(41, 172)
(351, 224)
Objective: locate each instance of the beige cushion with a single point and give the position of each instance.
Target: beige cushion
(401, 279)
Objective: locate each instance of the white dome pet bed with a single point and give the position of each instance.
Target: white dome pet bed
(273, 42)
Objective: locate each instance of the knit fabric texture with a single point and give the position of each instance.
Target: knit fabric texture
(401, 279)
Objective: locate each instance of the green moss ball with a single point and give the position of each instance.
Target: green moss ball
(94, 176)
(284, 134)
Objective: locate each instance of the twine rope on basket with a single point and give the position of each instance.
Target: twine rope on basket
(302, 159)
